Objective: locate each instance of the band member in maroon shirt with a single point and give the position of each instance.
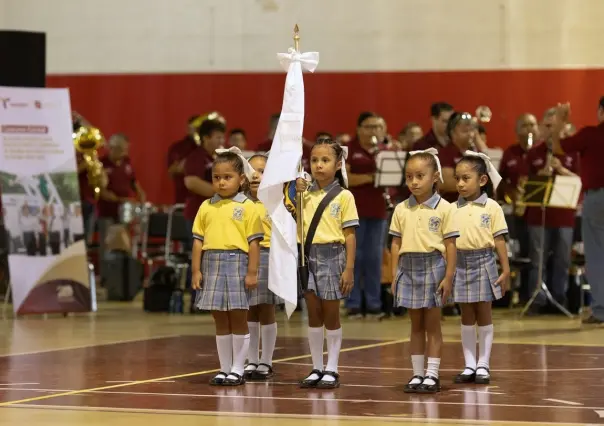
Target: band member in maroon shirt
(371, 206)
(589, 144)
(513, 170)
(437, 137)
(238, 139)
(122, 186)
(177, 154)
(272, 128)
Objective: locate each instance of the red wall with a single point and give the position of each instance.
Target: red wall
(152, 109)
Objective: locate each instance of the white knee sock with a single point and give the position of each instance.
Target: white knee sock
(241, 344)
(269, 339)
(334, 343)
(468, 342)
(417, 361)
(254, 352)
(315, 341)
(485, 336)
(225, 352)
(432, 370)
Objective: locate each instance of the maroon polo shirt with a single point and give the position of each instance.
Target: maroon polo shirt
(429, 140)
(449, 156)
(513, 165)
(178, 152)
(198, 164)
(265, 146)
(86, 191)
(369, 200)
(588, 143)
(120, 181)
(554, 217)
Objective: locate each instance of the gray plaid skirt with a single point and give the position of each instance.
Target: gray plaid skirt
(262, 295)
(418, 278)
(223, 281)
(326, 263)
(475, 277)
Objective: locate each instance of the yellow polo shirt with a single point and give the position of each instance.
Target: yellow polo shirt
(423, 228)
(227, 224)
(480, 221)
(267, 224)
(341, 213)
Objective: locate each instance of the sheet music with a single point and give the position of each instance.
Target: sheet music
(390, 167)
(566, 191)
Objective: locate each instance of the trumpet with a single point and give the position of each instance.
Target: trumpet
(483, 114)
(87, 141)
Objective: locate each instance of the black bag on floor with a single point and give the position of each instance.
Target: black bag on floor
(162, 284)
(122, 275)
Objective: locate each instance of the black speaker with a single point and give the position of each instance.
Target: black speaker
(23, 59)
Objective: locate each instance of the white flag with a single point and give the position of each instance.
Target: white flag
(282, 168)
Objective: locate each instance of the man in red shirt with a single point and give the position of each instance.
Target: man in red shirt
(371, 206)
(588, 143)
(514, 168)
(437, 137)
(177, 154)
(121, 186)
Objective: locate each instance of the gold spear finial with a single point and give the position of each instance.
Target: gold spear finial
(297, 38)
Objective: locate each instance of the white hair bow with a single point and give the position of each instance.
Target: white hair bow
(344, 158)
(491, 170)
(433, 152)
(247, 169)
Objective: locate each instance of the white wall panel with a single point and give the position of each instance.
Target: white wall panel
(149, 36)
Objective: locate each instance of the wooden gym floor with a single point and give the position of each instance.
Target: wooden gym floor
(123, 367)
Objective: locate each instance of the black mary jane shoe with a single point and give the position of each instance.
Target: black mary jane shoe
(237, 381)
(465, 378)
(262, 374)
(311, 383)
(329, 384)
(248, 373)
(426, 388)
(483, 379)
(218, 379)
(412, 387)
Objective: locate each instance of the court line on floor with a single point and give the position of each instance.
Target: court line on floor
(561, 401)
(318, 398)
(181, 376)
(356, 367)
(323, 417)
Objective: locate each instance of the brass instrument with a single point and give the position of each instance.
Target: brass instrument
(88, 140)
(483, 114)
(214, 115)
(519, 207)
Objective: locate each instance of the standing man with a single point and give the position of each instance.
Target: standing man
(437, 137)
(177, 154)
(589, 144)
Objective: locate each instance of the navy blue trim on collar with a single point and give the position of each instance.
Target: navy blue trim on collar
(431, 202)
(239, 198)
(315, 186)
(481, 200)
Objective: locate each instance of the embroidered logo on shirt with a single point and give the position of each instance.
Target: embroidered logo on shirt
(238, 213)
(334, 210)
(485, 220)
(434, 224)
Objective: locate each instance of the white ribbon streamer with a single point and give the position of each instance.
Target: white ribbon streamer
(433, 152)
(247, 169)
(344, 158)
(491, 170)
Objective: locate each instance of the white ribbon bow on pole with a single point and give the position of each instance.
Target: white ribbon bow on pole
(308, 60)
(434, 153)
(491, 170)
(248, 170)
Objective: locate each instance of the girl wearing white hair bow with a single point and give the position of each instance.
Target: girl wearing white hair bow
(477, 283)
(224, 263)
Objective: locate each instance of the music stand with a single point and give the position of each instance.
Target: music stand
(545, 191)
(390, 168)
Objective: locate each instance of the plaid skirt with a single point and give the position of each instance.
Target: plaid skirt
(223, 281)
(326, 263)
(475, 277)
(261, 294)
(418, 278)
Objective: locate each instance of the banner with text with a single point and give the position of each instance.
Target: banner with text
(47, 260)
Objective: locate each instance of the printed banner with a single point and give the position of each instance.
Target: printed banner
(47, 260)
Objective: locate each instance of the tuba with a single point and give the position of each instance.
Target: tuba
(214, 115)
(88, 140)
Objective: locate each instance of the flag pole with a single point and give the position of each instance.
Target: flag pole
(300, 198)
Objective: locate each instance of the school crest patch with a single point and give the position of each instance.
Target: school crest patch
(434, 224)
(485, 220)
(238, 213)
(334, 210)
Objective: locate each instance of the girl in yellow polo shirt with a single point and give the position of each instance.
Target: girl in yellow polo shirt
(226, 247)
(331, 258)
(477, 281)
(261, 316)
(423, 261)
